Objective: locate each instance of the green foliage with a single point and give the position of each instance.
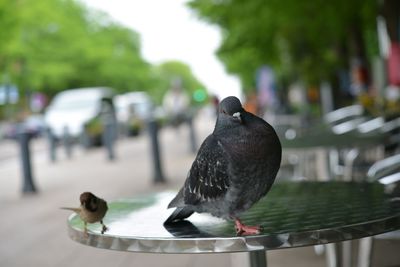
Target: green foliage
(70, 46)
(9, 25)
(171, 70)
(298, 38)
(53, 45)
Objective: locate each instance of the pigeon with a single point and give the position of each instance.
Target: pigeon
(92, 210)
(235, 166)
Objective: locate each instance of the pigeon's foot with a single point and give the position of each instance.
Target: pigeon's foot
(85, 231)
(242, 229)
(104, 229)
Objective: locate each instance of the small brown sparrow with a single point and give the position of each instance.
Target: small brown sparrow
(92, 210)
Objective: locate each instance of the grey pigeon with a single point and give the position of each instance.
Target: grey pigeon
(235, 166)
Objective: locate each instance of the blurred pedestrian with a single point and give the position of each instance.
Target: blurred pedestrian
(176, 103)
(251, 103)
(215, 104)
(359, 78)
(266, 90)
(109, 122)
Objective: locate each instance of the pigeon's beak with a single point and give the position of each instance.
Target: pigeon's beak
(237, 116)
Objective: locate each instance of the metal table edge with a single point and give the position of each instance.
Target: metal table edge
(195, 245)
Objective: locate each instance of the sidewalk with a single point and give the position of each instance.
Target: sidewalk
(33, 229)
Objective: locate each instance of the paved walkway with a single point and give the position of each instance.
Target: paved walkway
(33, 229)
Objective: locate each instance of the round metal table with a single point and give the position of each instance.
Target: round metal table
(293, 214)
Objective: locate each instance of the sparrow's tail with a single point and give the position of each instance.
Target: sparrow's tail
(179, 213)
(76, 210)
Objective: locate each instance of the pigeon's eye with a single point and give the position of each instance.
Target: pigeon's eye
(223, 111)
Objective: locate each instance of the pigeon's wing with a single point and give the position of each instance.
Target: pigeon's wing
(208, 177)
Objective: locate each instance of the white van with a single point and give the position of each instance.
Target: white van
(72, 110)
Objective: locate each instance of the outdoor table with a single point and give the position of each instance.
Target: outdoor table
(293, 214)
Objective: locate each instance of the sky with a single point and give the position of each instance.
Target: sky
(171, 31)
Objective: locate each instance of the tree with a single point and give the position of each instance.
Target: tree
(71, 46)
(54, 45)
(170, 70)
(309, 40)
(9, 24)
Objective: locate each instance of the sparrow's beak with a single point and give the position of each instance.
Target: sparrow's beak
(237, 116)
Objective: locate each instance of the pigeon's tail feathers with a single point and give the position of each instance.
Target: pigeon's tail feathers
(76, 210)
(179, 214)
(177, 201)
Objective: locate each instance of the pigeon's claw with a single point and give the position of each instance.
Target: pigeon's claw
(104, 229)
(242, 229)
(85, 231)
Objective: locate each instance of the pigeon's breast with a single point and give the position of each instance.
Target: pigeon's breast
(255, 161)
(249, 149)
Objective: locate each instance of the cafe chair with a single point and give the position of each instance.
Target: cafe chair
(354, 162)
(344, 114)
(387, 172)
(341, 121)
(392, 128)
(348, 126)
(371, 125)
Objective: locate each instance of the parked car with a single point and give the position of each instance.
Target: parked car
(132, 111)
(79, 112)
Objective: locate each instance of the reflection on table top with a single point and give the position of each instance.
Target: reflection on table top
(293, 214)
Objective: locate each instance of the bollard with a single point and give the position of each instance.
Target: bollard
(23, 140)
(152, 129)
(52, 145)
(108, 140)
(67, 142)
(192, 136)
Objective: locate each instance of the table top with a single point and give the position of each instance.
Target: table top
(323, 137)
(293, 214)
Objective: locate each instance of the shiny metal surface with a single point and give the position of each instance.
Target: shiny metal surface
(293, 214)
(322, 137)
